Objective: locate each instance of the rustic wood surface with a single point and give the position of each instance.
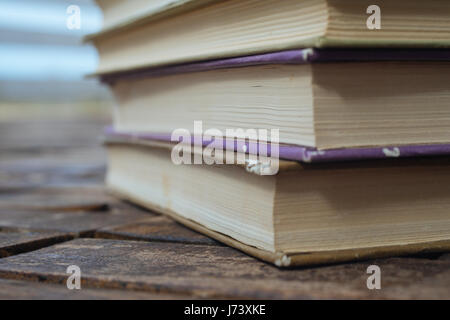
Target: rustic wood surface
(26, 290)
(157, 228)
(14, 241)
(55, 212)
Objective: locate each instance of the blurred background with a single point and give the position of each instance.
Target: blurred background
(43, 63)
(51, 116)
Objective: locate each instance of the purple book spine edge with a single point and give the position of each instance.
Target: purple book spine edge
(296, 152)
(297, 56)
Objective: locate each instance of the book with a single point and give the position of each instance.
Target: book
(322, 99)
(305, 214)
(181, 32)
(119, 14)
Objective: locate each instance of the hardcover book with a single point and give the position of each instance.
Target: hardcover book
(146, 34)
(322, 99)
(304, 215)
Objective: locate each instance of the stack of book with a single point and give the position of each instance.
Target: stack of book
(298, 131)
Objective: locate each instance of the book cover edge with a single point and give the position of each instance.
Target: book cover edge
(292, 153)
(168, 10)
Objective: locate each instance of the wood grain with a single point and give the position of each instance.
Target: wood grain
(14, 241)
(79, 222)
(26, 290)
(31, 176)
(157, 228)
(57, 199)
(221, 272)
(62, 166)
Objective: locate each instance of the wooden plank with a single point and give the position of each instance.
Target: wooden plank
(14, 242)
(71, 198)
(25, 290)
(21, 179)
(157, 228)
(217, 271)
(25, 170)
(83, 210)
(79, 222)
(445, 257)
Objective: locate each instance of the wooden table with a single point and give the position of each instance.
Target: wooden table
(54, 212)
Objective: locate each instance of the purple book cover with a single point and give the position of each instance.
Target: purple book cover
(299, 56)
(295, 152)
